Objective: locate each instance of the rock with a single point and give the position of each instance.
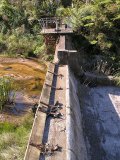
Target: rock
(8, 68)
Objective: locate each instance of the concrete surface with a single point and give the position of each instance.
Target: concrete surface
(37, 132)
(53, 31)
(75, 145)
(90, 128)
(56, 128)
(76, 149)
(100, 108)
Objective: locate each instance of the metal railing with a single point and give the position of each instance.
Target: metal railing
(48, 21)
(55, 25)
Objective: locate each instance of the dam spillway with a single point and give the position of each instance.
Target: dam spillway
(89, 125)
(58, 131)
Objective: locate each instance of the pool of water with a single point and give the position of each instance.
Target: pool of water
(28, 80)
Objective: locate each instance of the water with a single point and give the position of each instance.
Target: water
(28, 81)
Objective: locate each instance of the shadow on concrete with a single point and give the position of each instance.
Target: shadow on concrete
(51, 102)
(100, 107)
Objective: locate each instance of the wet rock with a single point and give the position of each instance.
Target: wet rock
(8, 68)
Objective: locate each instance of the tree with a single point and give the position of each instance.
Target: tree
(66, 3)
(47, 8)
(99, 23)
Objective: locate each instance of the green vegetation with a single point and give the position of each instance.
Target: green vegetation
(19, 37)
(19, 44)
(14, 138)
(19, 28)
(15, 128)
(97, 27)
(47, 8)
(6, 86)
(97, 24)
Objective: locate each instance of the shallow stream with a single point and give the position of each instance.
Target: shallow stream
(28, 77)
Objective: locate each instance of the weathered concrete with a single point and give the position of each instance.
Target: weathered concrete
(37, 133)
(67, 55)
(62, 31)
(76, 149)
(100, 108)
(56, 128)
(90, 128)
(46, 129)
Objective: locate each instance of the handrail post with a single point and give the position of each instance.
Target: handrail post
(57, 27)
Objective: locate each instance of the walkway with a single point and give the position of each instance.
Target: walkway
(62, 31)
(57, 127)
(47, 129)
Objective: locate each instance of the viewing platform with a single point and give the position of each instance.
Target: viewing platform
(54, 25)
(61, 31)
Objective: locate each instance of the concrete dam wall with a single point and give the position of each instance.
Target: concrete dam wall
(89, 127)
(100, 108)
(93, 114)
(75, 140)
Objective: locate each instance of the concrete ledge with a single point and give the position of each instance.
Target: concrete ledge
(62, 31)
(37, 132)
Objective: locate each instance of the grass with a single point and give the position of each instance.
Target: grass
(6, 86)
(14, 138)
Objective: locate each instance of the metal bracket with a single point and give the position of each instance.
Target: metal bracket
(59, 75)
(43, 109)
(56, 114)
(51, 106)
(60, 88)
(47, 149)
(54, 63)
(51, 110)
